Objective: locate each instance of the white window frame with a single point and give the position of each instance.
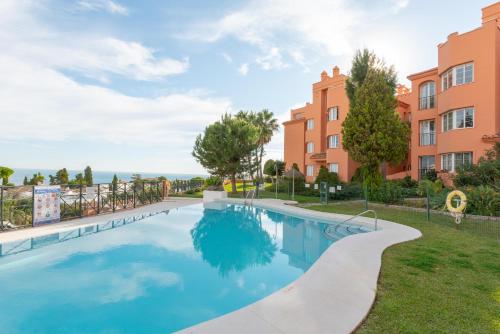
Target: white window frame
(445, 119)
(333, 141)
(425, 128)
(309, 170)
(310, 147)
(458, 76)
(333, 113)
(333, 167)
(426, 92)
(310, 124)
(449, 159)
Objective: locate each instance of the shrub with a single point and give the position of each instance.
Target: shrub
(325, 176)
(483, 200)
(214, 183)
(389, 192)
(348, 192)
(486, 172)
(430, 175)
(408, 182)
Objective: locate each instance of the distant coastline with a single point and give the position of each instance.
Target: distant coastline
(99, 176)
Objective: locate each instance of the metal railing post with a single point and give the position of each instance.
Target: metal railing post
(32, 206)
(114, 196)
(81, 210)
(428, 204)
(150, 193)
(98, 198)
(134, 194)
(126, 198)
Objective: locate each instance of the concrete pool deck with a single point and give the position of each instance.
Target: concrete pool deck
(333, 296)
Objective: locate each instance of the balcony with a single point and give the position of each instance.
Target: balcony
(428, 138)
(427, 102)
(321, 156)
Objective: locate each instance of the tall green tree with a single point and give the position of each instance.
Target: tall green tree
(274, 167)
(373, 132)
(267, 125)
(114, 183)
(365, 61)
(25, 181)
(36, 179)
(221, 149)
(61, 177)
(5, 173)
(89, 179)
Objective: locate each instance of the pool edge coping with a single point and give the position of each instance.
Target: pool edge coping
(335, 295)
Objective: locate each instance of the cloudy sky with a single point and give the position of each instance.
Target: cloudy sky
(127, 85)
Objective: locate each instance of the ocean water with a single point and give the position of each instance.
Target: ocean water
(159, 274)
(99, 176)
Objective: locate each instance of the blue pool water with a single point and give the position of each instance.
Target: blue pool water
(156, 274)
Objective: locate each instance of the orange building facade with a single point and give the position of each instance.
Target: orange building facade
(453, 110)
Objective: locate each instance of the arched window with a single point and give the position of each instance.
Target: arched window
(427, 95)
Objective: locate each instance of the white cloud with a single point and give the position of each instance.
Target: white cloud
(243, 69)
(397, 5)
(40, 102)
(272, 60)
(106, 5)
(227, 57)
(28, 39)
(54, 108)
(298, 29)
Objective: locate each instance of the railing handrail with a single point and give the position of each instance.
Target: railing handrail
(362, 213)
(251, 191)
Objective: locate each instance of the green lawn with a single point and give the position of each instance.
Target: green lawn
(448, 281)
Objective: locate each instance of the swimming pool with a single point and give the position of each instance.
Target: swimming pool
(165, 272)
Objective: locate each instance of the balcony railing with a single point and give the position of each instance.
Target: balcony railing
(425, 173)
(321, 156)
(427, 138)
(427, 102)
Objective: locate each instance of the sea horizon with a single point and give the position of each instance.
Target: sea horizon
(98, 176)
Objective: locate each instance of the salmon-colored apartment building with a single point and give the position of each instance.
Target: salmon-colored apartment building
(453, 109)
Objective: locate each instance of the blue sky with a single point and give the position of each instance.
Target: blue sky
(127, 85)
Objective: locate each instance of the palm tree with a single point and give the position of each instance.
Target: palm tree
(267, 125)
(5, 173)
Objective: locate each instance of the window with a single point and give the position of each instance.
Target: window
(427, 133)
(452, 161)
(310, 147)
(458, 119)
(458, 75)
(427, 163)
(334, 168)
(310, 124)
(310, 170)
(427, 95)
(333, 141)
(333, 113)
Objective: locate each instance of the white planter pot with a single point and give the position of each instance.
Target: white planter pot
(210, 195)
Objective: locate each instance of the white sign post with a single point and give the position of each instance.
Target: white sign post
(46, 205)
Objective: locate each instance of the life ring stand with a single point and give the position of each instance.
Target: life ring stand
(458, 211)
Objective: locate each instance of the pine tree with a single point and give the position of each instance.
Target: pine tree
(224, 145)
(373, 132)
(89, 180)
